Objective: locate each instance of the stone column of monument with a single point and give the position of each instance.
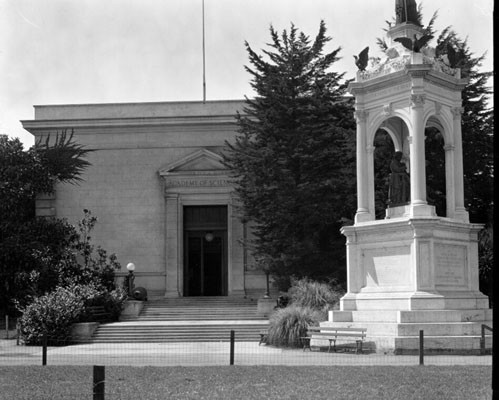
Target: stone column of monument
(417, 151)
(362, 199)
(414, 270)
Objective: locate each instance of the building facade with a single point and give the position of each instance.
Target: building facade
(162, 195)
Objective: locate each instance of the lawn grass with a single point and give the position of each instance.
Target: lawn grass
(255, 382)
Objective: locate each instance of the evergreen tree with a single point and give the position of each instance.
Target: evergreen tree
(294, 157)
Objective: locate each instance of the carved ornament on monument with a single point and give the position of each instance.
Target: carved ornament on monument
(418, 100)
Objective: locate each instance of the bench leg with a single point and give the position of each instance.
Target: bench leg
(359, 346)
(334, 345)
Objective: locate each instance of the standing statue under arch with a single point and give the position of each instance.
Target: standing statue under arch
(399, 192)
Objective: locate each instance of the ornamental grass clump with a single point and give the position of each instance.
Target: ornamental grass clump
(309, 303)
(288, 325)
(316, 295)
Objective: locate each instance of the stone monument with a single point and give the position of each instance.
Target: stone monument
(413, 270)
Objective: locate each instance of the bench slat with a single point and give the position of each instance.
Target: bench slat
(332, 334)
(339, 334)
(331, 329)
(99, 313)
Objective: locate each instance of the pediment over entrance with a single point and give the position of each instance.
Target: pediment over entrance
(200, 169)
(202, 160)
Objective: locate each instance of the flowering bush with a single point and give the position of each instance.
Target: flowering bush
(55, 312)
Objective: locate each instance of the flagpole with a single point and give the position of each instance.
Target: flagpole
(405, 6)
(204, 64)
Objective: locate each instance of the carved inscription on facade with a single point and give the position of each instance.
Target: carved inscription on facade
(170, 183)
(450, 265)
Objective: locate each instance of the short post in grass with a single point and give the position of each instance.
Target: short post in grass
(99, 382)
(18, 333)
(44, 349)
(421, 347)
(231, 362)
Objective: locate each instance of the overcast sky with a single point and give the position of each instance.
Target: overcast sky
(101, 51)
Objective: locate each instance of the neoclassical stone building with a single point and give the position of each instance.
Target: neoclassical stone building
(162, 196)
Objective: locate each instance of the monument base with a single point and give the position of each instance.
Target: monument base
(397, 332)
(409, 274)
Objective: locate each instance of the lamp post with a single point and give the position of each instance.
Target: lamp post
(267, 294)
(130, 267)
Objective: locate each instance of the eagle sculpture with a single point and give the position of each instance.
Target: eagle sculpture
(361, 59)
(414, 45)
(456, 58)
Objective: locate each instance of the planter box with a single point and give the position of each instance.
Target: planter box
(132, 308)
(82, 332)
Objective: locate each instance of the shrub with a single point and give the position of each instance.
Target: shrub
(111, 301)
(316, 295)
(55, 312)
(288, 325)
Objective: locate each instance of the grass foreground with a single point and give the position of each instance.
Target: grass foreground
(254, 382)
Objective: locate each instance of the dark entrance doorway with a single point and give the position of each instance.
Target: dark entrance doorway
(205, 251)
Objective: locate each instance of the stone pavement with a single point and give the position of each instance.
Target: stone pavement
(209, 354)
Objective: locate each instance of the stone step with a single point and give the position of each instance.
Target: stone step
(411, 316)
(176, 333)
(412, 329)
(193, 319)
(440, 344)
(208, 318)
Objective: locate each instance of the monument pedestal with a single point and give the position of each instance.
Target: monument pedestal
(414, 273)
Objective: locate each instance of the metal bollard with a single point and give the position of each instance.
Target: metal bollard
(99, 382)
(44, 349)
(421, 347)
(231, 362)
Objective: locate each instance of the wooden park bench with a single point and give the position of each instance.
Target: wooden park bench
(98, 314)
(332, 334)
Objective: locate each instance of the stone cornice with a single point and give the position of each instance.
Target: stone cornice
(34, 125)
(139, 110)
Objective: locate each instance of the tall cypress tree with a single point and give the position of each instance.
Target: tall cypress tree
(294, 156)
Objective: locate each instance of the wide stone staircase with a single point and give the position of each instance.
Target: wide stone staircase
(187, 319)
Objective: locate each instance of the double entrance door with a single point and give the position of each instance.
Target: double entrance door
(205, 251)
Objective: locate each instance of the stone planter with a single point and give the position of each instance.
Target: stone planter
(266, 306)
(82, 332)
(132, 308)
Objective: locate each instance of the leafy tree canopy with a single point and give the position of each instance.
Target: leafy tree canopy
(294, 156)
(30, 247)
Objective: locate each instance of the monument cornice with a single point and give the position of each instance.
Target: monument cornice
(379, 83)
(438, 78)
(410, 72)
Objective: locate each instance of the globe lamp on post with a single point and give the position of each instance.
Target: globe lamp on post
(130, 267)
